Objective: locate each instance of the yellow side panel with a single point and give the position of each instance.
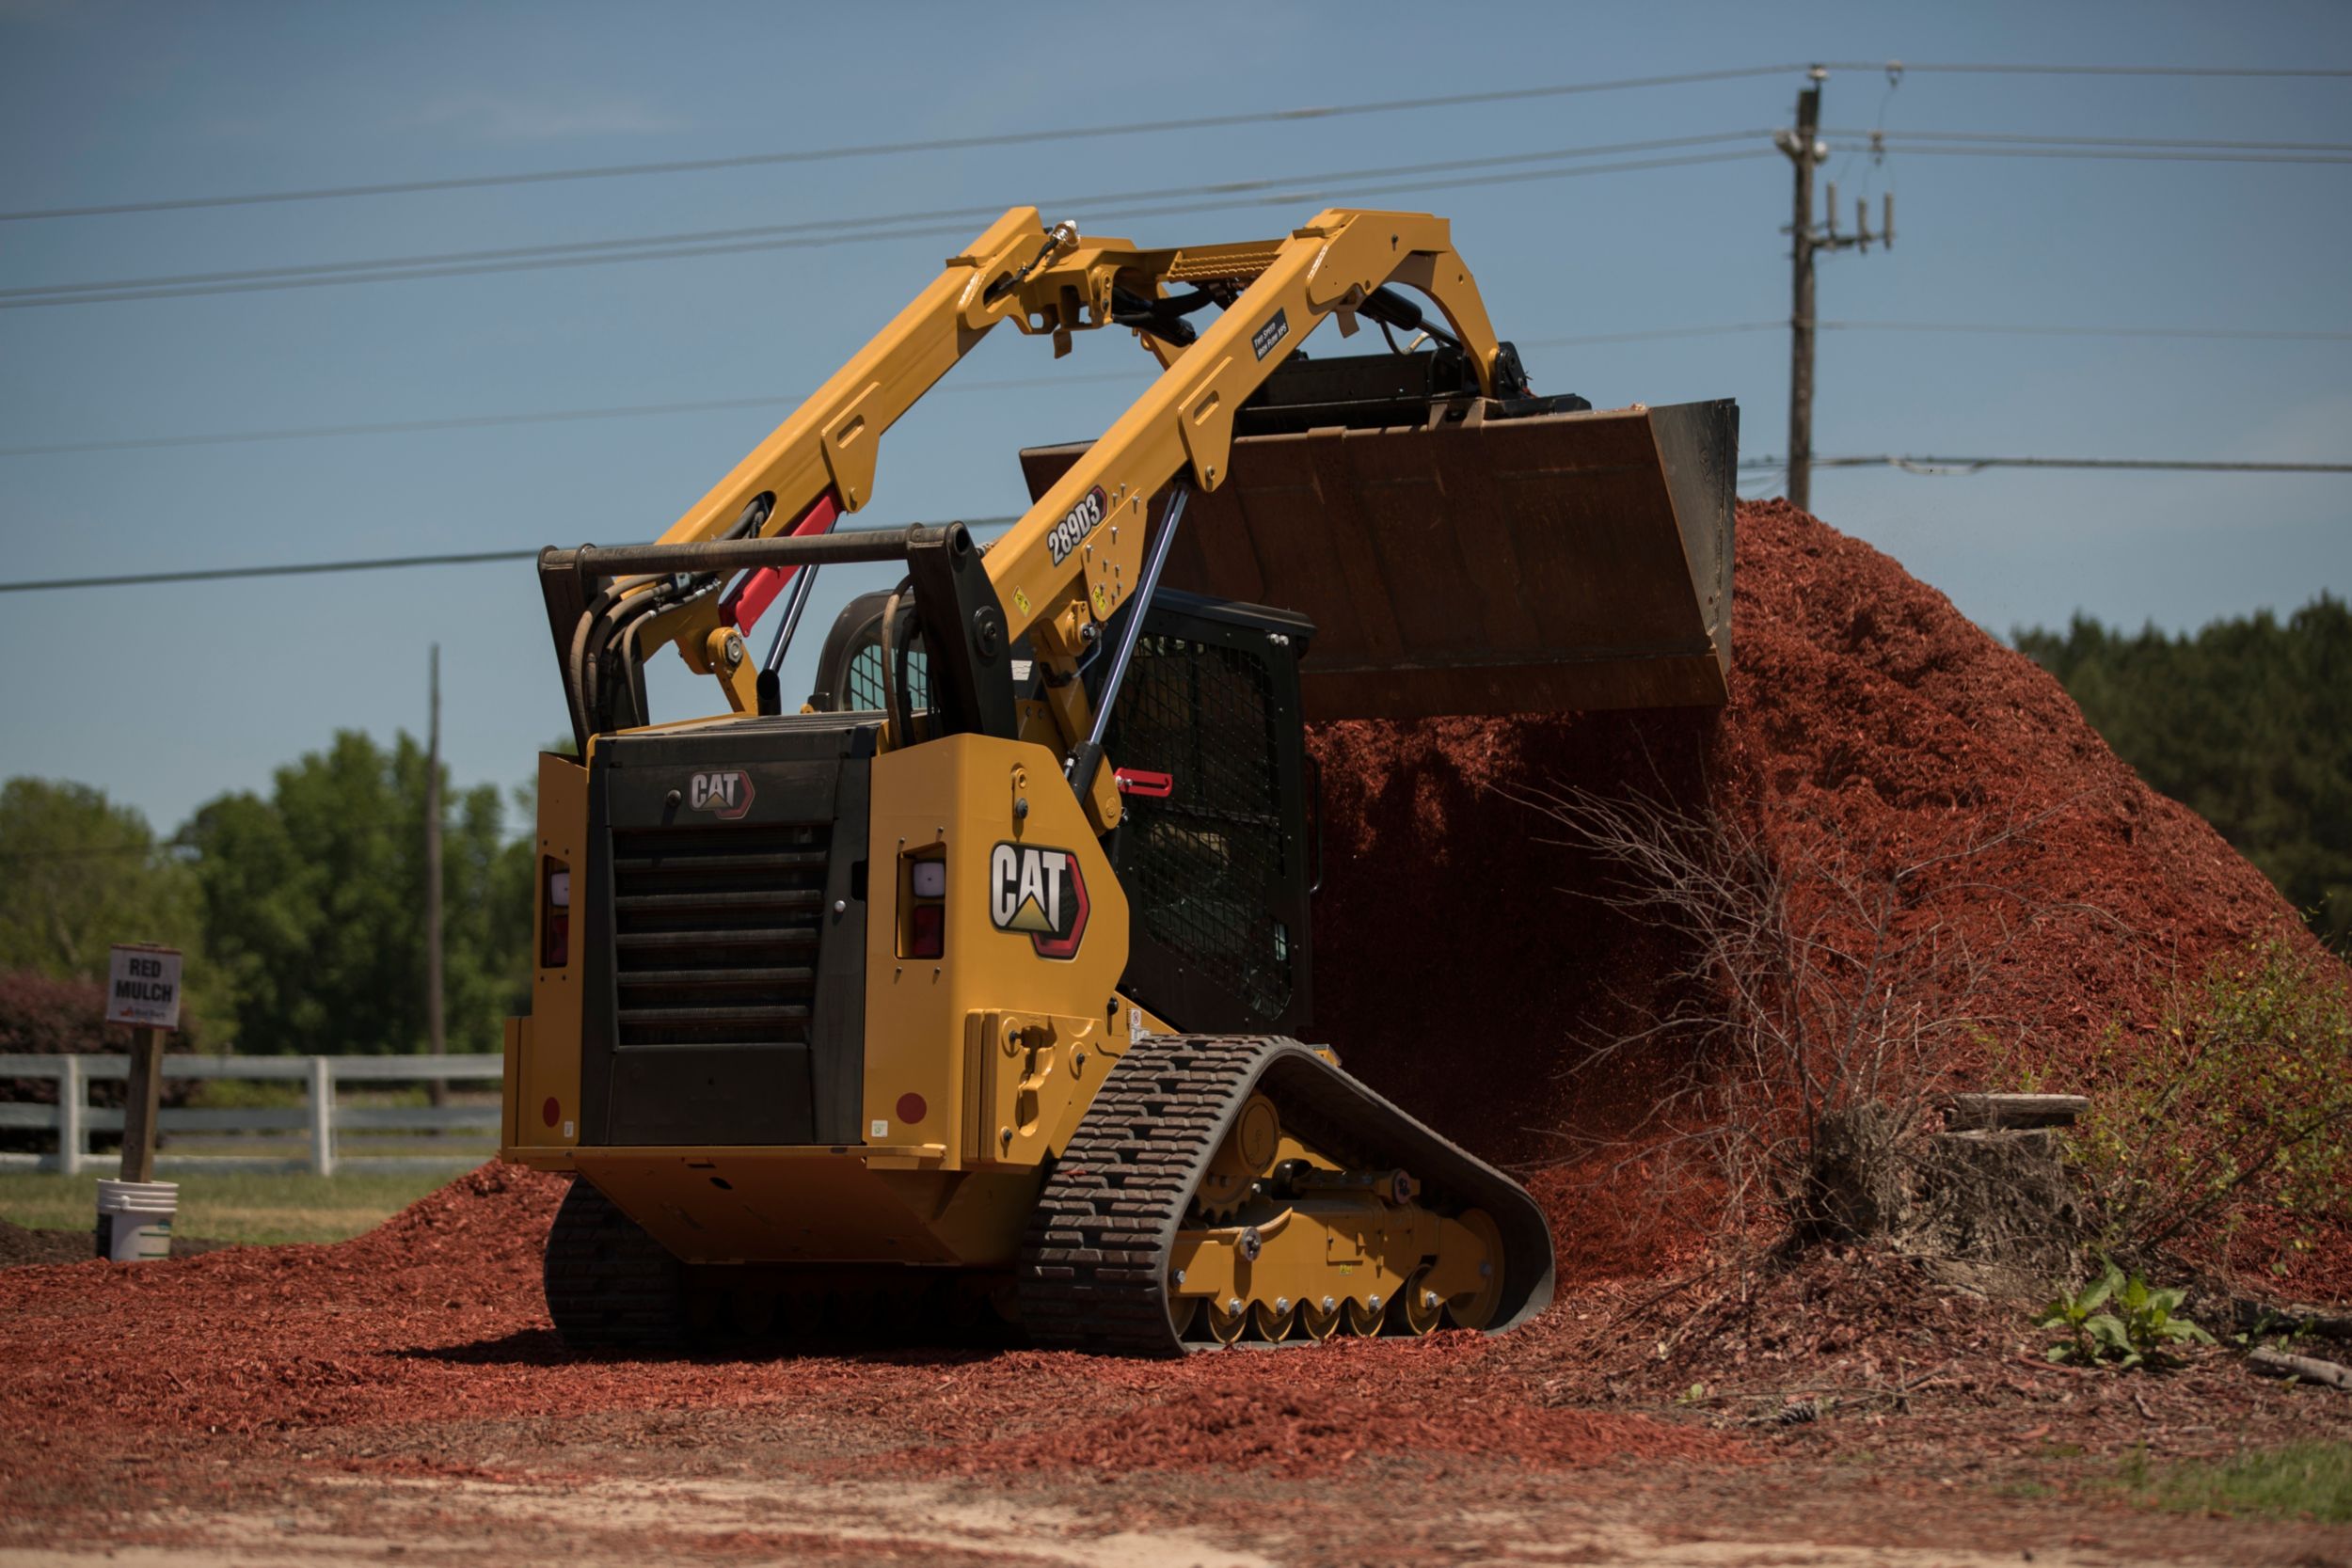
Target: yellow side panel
(547, 1072)
(812, 1206)
(1000, 814)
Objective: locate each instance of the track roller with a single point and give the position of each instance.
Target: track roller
(1221, 1186)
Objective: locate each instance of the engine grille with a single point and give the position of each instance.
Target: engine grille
(715, 933)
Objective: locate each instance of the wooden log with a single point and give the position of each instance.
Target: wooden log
(2306, 1369)
(1970, 1112)
(2291, 1318)
(142, 1100)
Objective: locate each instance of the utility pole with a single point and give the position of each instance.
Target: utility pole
(1806, 150)
(433, 1019)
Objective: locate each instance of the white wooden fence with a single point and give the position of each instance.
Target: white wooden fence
(320, 1120)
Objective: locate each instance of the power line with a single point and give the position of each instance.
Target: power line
(308, 568)
(315, 568)
(1647, 335)
(1337, 185)
(832, 232)
(1226, 196)
(1911, 66)
(2000, 144)
(1895, 144)
(935, 144)
(1139, 379)
(1934, 466)
(1136, 128)
(1289, 197)
(1945, 465)
(2039, 330)
(2201, 144)
(481, 422)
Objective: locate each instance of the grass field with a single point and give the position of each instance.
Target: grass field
(2310, 1481)
(231, 1207)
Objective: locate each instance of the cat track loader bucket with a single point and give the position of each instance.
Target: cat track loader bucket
(1550, 562)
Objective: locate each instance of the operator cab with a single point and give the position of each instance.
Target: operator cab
(1217, 846)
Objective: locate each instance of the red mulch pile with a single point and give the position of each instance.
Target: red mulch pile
(1447, 939)
(1456, 974)
(1459, 974)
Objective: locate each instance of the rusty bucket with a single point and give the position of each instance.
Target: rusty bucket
(1553, 563)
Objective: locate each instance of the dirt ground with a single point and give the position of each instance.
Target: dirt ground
(400, 1396)
(788, 1479)
(748, 1489)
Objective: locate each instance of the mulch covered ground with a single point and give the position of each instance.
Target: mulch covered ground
(1456, 973)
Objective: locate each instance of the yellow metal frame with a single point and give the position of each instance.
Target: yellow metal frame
(1052, 282)
(1000, 1089)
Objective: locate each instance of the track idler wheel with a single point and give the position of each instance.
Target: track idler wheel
(1476, 1308)
(1242, 1159)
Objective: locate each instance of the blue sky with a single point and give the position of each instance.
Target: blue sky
(166, 696)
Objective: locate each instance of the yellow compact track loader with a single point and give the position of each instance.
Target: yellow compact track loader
(973, 983)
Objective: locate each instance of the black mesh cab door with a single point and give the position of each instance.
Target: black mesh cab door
(1217, 870)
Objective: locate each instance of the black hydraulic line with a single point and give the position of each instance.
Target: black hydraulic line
(1088, 755)
(1391, 308)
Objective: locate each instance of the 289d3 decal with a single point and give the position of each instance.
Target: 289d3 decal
(1072, 530)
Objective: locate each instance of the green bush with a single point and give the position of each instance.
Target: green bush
(2244, 1097)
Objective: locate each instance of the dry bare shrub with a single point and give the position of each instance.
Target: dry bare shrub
(1832, 992)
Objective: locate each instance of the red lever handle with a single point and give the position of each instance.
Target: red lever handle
(749, 599)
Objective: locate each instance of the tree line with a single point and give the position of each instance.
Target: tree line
(300, 910)
(2248, 723)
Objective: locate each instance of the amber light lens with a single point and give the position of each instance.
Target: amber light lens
(927, 931)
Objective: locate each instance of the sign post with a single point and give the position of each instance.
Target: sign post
(143, 990)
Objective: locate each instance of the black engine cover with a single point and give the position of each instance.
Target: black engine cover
(724, 914)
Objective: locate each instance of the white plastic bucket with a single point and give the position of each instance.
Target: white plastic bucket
(135, 1219)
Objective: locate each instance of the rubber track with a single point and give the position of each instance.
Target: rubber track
(1094, 1266)
(607, 1281)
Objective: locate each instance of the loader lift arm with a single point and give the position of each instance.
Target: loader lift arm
(1075, 557)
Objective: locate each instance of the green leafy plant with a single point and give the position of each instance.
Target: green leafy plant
(2241, 1098)
(2122, 1319)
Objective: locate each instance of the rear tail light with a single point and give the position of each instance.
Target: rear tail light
(922, 907)
(927, 931)
(555, 915)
